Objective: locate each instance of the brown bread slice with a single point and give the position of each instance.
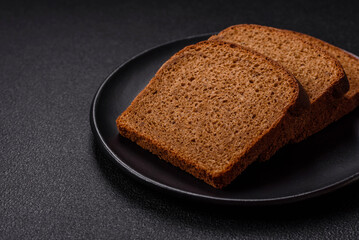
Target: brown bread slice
(350, 100)
(320, 74)
(212, 108)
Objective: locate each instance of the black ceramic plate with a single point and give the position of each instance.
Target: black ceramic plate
(324, 162)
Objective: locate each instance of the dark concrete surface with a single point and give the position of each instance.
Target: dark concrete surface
(56, 184)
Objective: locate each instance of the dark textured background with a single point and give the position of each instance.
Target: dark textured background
(54, 181)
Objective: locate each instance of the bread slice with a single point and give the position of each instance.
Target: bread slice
(212, 108)
(320, 74)
(350, 100)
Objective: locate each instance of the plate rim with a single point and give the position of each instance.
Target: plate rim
(196, 196)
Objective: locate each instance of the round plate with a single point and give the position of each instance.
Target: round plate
(322, 163)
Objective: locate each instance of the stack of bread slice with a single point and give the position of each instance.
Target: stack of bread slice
(219, 105)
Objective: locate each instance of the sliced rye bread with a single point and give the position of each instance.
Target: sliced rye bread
(350, 100)
(212, 108)
(320, 74)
